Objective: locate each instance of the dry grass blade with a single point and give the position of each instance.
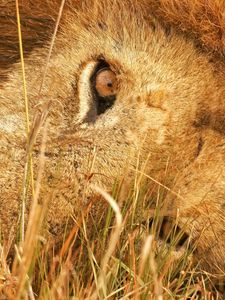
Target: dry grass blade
(52, 43)
(162, 185)
(21, 267)
(28, 172)
(34, 223)
(61, 285)
(30, 290)
(22, 68)
(112, 242)
(147, 258)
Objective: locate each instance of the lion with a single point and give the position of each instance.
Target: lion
(126, 80)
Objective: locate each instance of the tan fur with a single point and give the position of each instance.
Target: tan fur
(202, 19)
(169, 106)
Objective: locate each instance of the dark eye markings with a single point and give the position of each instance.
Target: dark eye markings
(103, 86)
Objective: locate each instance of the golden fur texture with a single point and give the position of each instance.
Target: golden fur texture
(169, 110)
(203, 20)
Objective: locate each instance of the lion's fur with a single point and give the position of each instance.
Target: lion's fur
(170, 104)
(200, 19)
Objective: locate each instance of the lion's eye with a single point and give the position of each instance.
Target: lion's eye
(104, 87)
(97, 87)
(106, 83)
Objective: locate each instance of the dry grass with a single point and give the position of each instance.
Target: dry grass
(121, 259)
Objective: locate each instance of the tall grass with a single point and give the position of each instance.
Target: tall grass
(119, 258)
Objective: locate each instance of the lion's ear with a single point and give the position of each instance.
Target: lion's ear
(203, 20)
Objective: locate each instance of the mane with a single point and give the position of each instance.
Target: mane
(201, 20)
